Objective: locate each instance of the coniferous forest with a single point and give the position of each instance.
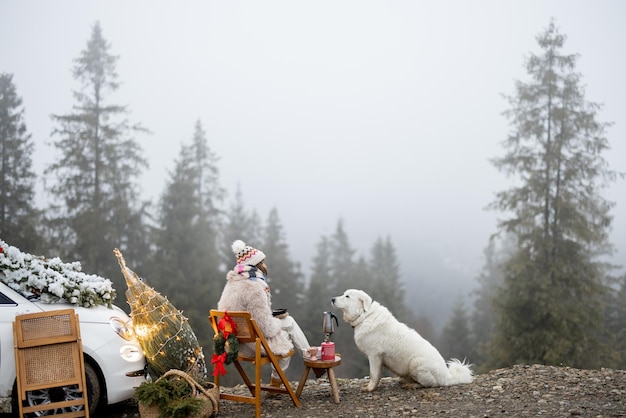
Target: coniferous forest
(545, 294)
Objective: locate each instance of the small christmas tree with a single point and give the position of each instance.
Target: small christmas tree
(164, 333)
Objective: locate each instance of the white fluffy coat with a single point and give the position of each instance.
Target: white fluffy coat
(389, 343)
(244, 294)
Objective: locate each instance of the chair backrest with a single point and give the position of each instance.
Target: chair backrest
(247, 329)
(48, 354)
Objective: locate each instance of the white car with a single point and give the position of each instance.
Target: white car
(114, 360)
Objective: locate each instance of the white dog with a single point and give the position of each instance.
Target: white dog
(387, 342)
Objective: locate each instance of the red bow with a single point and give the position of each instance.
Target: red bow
(218, 362)
(227, 326)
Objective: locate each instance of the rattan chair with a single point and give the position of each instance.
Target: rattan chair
(49, 355)
(248, 332)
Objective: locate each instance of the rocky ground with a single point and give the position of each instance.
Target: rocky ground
(512, 392)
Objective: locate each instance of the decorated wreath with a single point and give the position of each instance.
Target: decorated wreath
(225, 345)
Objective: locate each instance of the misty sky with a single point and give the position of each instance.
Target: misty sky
(382, 113)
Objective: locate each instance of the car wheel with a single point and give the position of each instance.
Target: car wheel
(94, 388)
(46, 396)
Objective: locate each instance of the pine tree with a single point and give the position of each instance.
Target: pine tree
(424, 326)
(18, 215)
(550, 309)
(342, 262)
(345, 274)
(616, 318)
(363, 277)
(207, 182)
(284, 275)
(187, 259)
(455, 337)
(96, 198)
(242, 224)
(388, 288)
(483, 318)
(320, 290)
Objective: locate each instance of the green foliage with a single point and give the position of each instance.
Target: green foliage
(319, 293)
(550, 308)
(386, 284)
(483, 317)
(284, 275)
(95, 175)
(423, 325)
(229, 345)
(240, 223)
(455, 338)
(18, 215)
(346, 273)
(342, 262)
(175, 398)
(186, 261)
(617, 321)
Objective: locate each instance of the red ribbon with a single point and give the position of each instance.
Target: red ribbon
(218, 362)
(227, 326)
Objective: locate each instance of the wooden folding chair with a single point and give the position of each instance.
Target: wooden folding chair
(49, 355)
(248, 332)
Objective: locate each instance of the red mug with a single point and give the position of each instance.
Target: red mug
(328, 350)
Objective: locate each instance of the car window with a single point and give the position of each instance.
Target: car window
(6, 301)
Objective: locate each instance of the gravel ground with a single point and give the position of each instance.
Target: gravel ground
(512, 392)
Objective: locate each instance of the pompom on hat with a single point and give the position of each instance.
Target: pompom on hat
(246, 254)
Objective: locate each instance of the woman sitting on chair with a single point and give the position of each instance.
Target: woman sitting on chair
(247, 290)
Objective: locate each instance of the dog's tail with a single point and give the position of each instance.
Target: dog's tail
(459, 372)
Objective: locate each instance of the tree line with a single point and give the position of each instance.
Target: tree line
(544, 294)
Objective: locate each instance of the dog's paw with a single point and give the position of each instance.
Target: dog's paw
(368, 388)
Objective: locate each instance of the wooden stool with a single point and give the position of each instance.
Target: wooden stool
(319, 367)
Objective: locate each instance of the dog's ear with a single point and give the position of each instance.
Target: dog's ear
(366, 301)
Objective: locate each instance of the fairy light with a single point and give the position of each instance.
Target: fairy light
(163, 331)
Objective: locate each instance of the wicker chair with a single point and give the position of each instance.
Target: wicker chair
(49, 355)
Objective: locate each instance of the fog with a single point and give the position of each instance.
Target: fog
(381, 113)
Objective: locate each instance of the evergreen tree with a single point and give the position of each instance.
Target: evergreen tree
(387, 286)
(345, 274)
(187, 259)
(18, 216)
(550, 309)
(424, 326)
(342, 262)
(240, 223)
(455, 337)
(616, 320)
(319, 293)
(284, 275)
(483, 317)
(96, 198)
(364, 277)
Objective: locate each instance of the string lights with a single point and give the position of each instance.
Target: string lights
(164, 333)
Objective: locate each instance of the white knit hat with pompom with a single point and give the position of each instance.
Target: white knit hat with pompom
(246, 254)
